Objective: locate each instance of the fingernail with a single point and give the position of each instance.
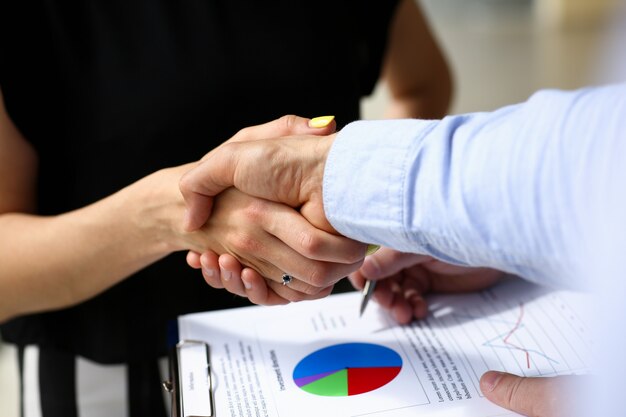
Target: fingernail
(411, 294)
(322, 121)
(371, 249)
(226, 275)
(209, 272)
(246, 283)
(370, 268)
(490, 380)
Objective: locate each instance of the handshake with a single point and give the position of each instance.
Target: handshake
(273, 175)
(272, 192)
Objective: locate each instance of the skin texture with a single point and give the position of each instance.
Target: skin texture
(534, 397)
(107, 241)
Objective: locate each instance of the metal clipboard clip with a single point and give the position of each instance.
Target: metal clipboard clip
(190, 384)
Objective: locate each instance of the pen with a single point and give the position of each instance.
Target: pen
(370, 286)
(368, 291)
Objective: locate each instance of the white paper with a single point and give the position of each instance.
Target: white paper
(515, 327)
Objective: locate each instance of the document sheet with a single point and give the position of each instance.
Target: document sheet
(319, 358)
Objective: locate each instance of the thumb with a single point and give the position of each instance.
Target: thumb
(533, 397)
(289, 125)
(216, 171)
(387, 262)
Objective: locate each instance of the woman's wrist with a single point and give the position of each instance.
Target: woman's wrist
(156, 210)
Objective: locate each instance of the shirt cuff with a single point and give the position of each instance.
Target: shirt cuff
(365, 179)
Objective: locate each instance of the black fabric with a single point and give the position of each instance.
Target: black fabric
(57, 383)
(20, 368)
(145, 392)
(109, 91)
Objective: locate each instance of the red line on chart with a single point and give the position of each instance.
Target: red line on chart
(517, 324)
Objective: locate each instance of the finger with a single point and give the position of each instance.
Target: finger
(401, 309)
(313, 211)
(357, 280)
(294, 230)
(211, 269)
(258, 290)
(230, 271)
(193, 259)
(413, 293)
(532, 397)
(387, 262)
(275, 258)
(288, 293)
(216, 171)
(384, 292)
(200, 184)
(288, 125)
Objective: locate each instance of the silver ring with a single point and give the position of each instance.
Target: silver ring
(287, 279)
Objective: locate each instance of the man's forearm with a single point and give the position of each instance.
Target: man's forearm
(504, 189)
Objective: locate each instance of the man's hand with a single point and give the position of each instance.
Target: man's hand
(287, 170)
(533, 397)
(404, 279)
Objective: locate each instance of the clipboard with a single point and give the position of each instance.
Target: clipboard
(190, 384)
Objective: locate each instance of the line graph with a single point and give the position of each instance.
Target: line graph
(508, 336)
(529, 336)
(503, 340)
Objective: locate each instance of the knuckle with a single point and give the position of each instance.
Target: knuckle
(356, 255)
(241, 135)
(288, 123)
(310, 244)
(318, 276)
(185, 182)
(514, 395)
(245, 243)
(357, 265)
(254, 212)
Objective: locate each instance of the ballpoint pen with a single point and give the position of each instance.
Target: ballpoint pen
(370, 286)
(368, 291)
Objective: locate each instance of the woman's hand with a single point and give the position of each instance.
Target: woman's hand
(272, 239)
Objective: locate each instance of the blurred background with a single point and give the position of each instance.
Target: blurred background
(501, 51)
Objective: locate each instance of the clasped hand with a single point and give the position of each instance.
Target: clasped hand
(291, 238)
(290, 171)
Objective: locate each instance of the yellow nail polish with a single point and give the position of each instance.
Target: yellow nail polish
(321, 121)
(371, 249)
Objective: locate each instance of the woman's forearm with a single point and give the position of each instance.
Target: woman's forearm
(57, 261)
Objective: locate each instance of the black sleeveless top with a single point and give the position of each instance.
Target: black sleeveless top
(109, 91)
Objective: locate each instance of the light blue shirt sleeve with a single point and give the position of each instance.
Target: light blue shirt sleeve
(509, 189)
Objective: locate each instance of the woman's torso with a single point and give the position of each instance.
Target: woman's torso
(109, 91)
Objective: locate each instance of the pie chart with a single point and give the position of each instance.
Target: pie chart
(347, 369)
